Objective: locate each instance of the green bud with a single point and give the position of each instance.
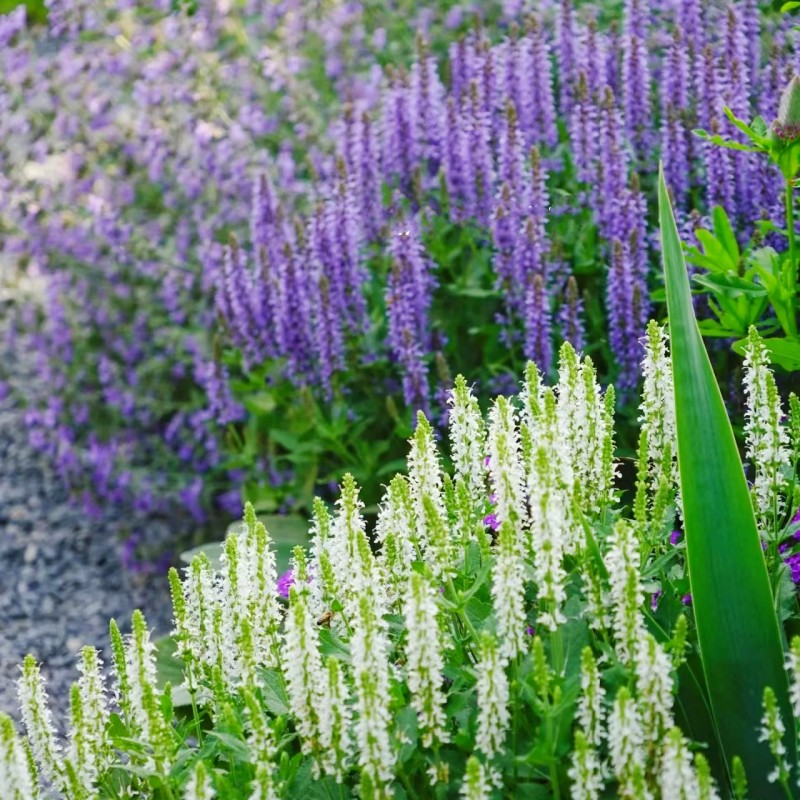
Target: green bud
(789, 108)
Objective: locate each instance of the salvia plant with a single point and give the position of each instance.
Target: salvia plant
(509, 629)
(407, 201)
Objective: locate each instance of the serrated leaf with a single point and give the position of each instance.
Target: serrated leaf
(740, 640)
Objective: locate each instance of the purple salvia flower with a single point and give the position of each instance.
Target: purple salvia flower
(427, 108)
(624, 301)
(736, 90)
(479, 162)
(583, 132)
(510, 159)
(293, 336)
(612, 67)
(611, 166)
(719, 173)
(674, 116)
(327, 300)
(263, 214)
(345, 236)
(538, 345)
(513, 59)
(751, 27)
(367, 177)
(460, 68)
(565, 56)
(636, 77)
(591, 51)
(542, 112)
(213, 377)
(237, 286)
(710, 90)
(504, 226)
(454, 157)
(399, 145)
(408, 299)
(570, 316)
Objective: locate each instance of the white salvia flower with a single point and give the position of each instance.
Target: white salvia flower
(793, 665)
(89, 744)
(590, 702)
(395, 529)
(142, 703)
(199, 785)
(623, 560)
(335, 719)
(493, 694)
(508, 592)
(322, 595)
(261, 608)
(261, 744)
(38, 721)
(658, 411)
(677, 777)
(370, 669)
(425, 660)
(438, 773)
(302, 666)
(356, 570)
(585, 772)
(626, 747)
(548, 535)
(505, 464)
(586, 429)
(531, 398)
(652, 668)
(572, 418)
(477, 783)
(425, 477)
(194, 628)
(766, 440)
(467, 440)
(18, 780)
(772, 731)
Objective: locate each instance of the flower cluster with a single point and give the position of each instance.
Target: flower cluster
(408, 659)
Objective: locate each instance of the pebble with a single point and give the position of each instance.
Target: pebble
(60, 573)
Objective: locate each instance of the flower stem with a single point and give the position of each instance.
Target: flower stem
(791, 232)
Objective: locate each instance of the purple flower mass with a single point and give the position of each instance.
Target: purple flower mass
(228, 233)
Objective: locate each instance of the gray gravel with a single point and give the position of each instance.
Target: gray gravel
(60, 575)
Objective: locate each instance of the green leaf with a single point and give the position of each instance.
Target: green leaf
(275, 698)
(725, 234)
(740, 640)
(783, 352)
(729, 144)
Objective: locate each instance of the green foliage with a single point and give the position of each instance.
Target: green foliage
(723, 545)
(36, 10)
(756, 285)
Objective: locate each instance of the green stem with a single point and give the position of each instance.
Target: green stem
(792, 245)
(195, 712)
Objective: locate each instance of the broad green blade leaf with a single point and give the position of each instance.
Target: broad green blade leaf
(740, 641)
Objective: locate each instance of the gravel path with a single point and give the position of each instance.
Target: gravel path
(60, 576)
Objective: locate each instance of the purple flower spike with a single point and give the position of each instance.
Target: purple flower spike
(655, 597)
(530, 630)
(675, 537)
(491, 521)
(285, 583)
(687, 599)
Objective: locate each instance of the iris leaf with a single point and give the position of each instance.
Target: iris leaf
(738, 631)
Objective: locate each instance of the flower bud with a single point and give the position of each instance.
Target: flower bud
(787, 125)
